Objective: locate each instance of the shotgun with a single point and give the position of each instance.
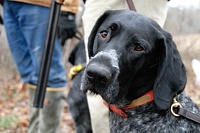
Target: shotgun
(47, 53)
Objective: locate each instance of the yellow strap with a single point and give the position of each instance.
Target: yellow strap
(74, 70)
(147, 97)
(47, 88)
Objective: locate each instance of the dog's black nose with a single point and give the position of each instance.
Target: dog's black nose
(98, 74)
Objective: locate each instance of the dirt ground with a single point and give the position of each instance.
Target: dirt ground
(14, 107)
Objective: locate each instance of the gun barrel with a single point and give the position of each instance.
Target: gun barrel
(47, 54)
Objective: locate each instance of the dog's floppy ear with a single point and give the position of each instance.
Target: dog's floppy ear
(94, 31)
(171, 77)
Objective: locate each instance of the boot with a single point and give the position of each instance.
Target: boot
(47, 119)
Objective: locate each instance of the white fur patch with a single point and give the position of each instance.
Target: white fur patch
(112, 55)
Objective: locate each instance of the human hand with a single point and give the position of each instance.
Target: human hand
(66, 26)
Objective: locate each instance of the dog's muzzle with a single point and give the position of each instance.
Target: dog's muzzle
(101, 69)
(98, 73)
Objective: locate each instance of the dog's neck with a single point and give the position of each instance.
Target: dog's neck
(146, 98)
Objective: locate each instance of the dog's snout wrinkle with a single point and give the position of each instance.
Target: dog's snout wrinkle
(98, 74)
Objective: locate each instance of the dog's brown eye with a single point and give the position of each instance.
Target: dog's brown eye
(104, 34)
(138, 48)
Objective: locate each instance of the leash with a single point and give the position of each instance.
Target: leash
(131, 5)
(183, 112)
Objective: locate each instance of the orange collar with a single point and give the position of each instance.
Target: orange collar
(146, 98)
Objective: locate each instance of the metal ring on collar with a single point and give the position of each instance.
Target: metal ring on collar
(175, 105)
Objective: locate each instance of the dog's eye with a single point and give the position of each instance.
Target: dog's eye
(104, 33)
(138, 48)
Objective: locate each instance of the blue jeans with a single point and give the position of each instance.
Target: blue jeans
(26, 27)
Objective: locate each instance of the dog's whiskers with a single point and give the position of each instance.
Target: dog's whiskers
(153, 65)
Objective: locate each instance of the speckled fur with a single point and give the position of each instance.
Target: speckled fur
(150, 119)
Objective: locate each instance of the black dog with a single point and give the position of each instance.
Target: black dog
(137, 69)
(76, 99)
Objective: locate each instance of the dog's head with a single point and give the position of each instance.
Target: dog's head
(130, 55)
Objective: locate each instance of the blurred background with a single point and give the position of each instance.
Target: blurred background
(182, 22)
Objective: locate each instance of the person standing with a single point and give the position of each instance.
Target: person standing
(26, 26)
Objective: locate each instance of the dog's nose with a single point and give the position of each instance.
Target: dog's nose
(98, 74)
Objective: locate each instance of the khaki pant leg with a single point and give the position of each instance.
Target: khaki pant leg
(154, 9)
(99, 114)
